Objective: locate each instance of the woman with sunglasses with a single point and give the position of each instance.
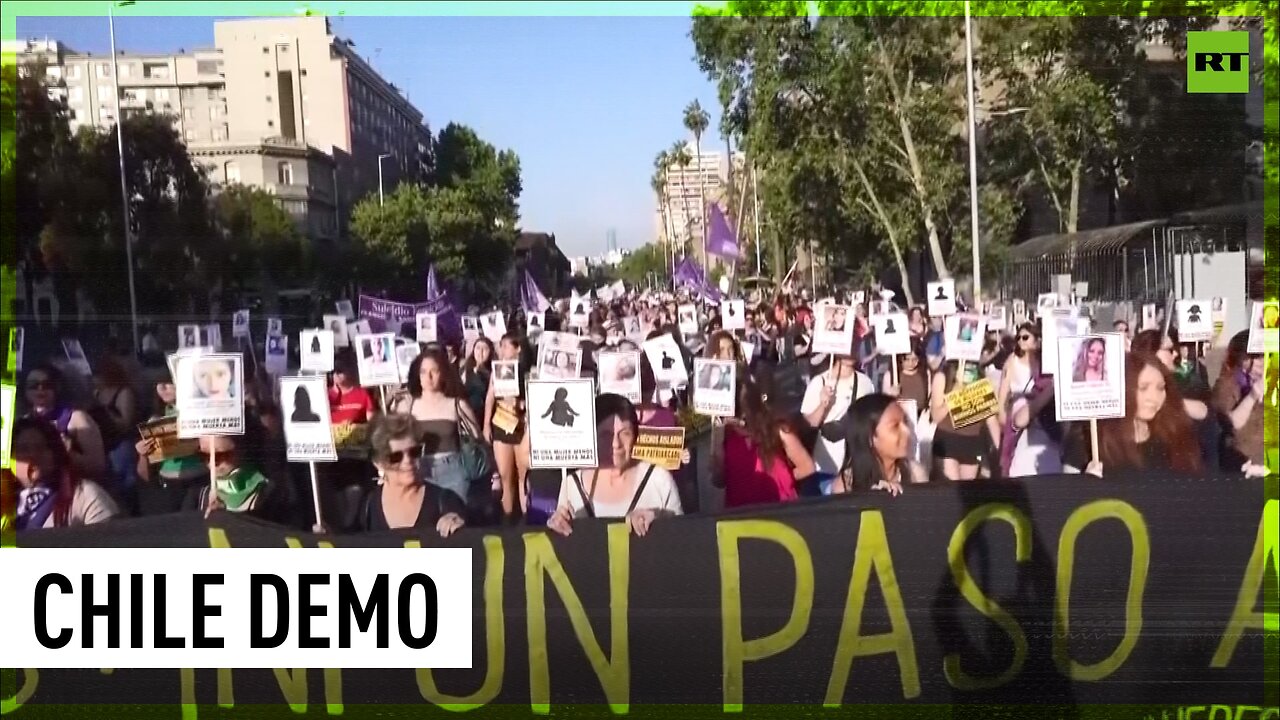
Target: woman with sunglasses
(239, 486)
(52, 493)
(1240, 397)
(1021, 370)
(403, 500)
(46, 397)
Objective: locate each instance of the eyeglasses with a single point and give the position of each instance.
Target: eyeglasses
(397, 456)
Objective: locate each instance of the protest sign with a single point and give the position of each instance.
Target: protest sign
(562, 423)
(997, 318)
(1264, 328)
(376, 359)
(8, 408)
(735, 315)
(666, 360)
(351, 440)
(240, 324)
(345, 310)
(337, 326)
(494, 326)
(660, 446)
(579, 310)
(188, 336)
(558, 361)
(972, 403)
(1195, 322)
(470, 328)
(619, 372)
(315, 352)
(964, 336)
(1046, 302)
(168, 446)
(1219, 312)
(1089, 383)
(308, 432)
(506, 378)
(362, 327)
(211, 334)
(406, 353)
(426, 325)
(941, 297)
(210, 391)
(1058, 322)
(275, 326)
(893, 334)
(76, 357)
(715, 387)
(1019, 312)
(687, 319)
(534, 323)
(833, 332)
(17, 342)
(277, 355)
(1149, 321)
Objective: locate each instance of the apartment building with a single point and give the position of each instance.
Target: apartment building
(706, 176)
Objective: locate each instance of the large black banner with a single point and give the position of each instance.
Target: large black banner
(1059, 591)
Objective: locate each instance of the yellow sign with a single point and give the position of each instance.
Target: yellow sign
(972, 403)
(8, 400)
(165, 432)
(660, 446)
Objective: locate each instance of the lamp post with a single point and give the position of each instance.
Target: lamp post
(124, 187)
(381, 157)
(973, 160)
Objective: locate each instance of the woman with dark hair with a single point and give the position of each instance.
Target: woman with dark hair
(165, 485)
(1021, 371)
(1154, 436)
(116, 415)
(1240, 397)
(1164, 347)
(403, 500)
(760, 457)
(508, 434)
(620, 487)
(959, 450)
(476, 371)
(1190, 373)
(52, 494)
(45, 393)
(913, 380)
(240, 487)
(879, 442)
(437, 400)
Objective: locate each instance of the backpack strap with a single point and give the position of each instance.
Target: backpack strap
(635, 499)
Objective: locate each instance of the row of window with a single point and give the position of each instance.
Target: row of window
(284, 174)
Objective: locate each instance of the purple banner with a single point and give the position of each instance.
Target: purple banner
(720, 238)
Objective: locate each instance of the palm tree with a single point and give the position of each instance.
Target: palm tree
(661, 166)
(679, 155)
(696, 121)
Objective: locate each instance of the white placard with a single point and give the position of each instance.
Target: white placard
(308, 431)
(425, 322)
(362, 327)
(8, 412)
(558, 361)
(277, 354)
(1058, 323)
(275, 326)
(859, 298)
(735, 315)
(687, 319)
(345, 310)
(76, 357)
(337, 326)
(893, 334)
(376, 359)
(534, 323)
(17, 344)
(315, 351)
(942, 298)
(714, 387)
(494, 326)
(1149, 321)
(619, 372)
(506, 378)
(879, 308)
(1019, 312)
(1089, 382)
(210, 391)
(1219, 311)
(172, 358)
(579, 311)
(997, 319)
(212, 335)
(1046, 302)
(1195, 321)
(1264, 328)
(188, 337)
(406, 353)
(833, 330)
(562, 423)
(470, 328)
(666, 361)
(964, 336)
(240, 324)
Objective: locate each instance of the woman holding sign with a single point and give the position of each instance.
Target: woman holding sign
(504, 426)
(761, 456)
(52, 494)
(1240, 396)
(960, 450)
(621, 487)
(403, 500)
(240, 488)
(45, 395)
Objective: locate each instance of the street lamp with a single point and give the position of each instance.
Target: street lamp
(381, 157)
(124, 188)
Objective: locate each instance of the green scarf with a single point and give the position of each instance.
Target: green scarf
(238, 488)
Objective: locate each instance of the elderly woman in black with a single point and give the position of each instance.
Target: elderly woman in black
(403, 500)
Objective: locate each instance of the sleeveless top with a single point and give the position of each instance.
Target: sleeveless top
(748, 479)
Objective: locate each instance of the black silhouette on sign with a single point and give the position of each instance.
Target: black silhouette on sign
(888, 327)
(559, 411)
(942, 295)
(667, 361)
(302, 412)
(315, 344)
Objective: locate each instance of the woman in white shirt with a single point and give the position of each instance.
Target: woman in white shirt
(826, 401)
(620, 488)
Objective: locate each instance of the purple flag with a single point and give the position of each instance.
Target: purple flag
(720, 239)
(531, 297)
(433, 288)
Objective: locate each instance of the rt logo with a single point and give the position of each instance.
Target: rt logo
(1218, 62)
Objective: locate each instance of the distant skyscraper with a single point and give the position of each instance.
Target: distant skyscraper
(611, 240)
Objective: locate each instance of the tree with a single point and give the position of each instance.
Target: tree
(393, 239)
(678, 155)
(638, 266)
(696, 121)
(260, 240)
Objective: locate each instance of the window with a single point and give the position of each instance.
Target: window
(53, 72)
(104, 70)
(73, 72)
(104, 115)
(75, 95)
(213, 93)
(189, 114)
(190, 135)
(158, 71)
(220, 132)
(206, 67)
(282, 48)
(125, 71)
(213, 113)
(162, 94)
(285, 172)
(231, 171)
(105, 93)
(187, 94)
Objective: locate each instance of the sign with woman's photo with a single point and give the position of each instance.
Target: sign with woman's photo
(687, 319)
(893, 334)
(714, 387)
(425, 322)
(963, 337)
(240, 324)
(1195, 320)
(559, 362)
(833, 331)
(666, 361)
(534, 323)
(406, 352)
(997, 318)
(76, 357)
(188, 337)
(275, 326)
(562, 423)
(942, 298)
(308, 431)
(1046, 302)
(315, 351)
(494, 326)
(1149, 321)
(1264, 328)
(277, 354)
(345, 309)
(1089, 382)
(506, 378)
(210, 392)
(376, 359)
(337, 325)
(470, 328)
(735, 315)
(619, 373)
(1058, 322)
(212, 336)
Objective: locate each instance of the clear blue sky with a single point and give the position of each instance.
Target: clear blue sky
(586, 102)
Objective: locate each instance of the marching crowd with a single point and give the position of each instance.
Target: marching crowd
(446, 451)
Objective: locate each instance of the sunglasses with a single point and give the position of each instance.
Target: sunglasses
(396, 457)
(1026, 337)
(221, 453)
(41, 385)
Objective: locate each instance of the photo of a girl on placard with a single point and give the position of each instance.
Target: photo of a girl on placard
(1091, 362)
(214, 379)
